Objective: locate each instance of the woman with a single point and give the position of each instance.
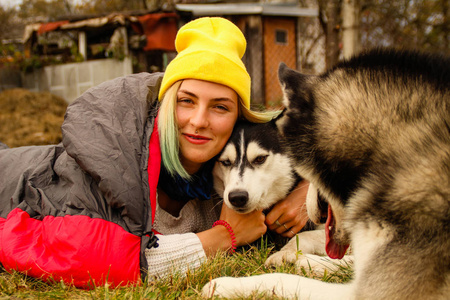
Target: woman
(128, 191)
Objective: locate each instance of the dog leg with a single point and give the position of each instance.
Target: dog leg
(277, 284)
(308, 242)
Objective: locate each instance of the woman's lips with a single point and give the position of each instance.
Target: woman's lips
(196, 139)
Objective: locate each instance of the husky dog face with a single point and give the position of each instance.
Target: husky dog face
(253, 172)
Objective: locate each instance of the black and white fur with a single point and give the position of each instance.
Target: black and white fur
(373, 136)
(254, 172)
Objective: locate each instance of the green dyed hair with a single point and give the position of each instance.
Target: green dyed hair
(169, 132)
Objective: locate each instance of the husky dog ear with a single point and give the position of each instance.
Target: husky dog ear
(297, 90)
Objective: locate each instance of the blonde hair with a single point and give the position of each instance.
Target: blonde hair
(169, 132)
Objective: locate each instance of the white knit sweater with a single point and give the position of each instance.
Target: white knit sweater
(179, 247)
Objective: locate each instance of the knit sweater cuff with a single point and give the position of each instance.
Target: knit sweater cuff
(177, 253)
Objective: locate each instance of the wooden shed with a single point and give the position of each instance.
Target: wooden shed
(272, 33)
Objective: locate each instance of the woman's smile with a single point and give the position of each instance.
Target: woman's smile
(196, 139)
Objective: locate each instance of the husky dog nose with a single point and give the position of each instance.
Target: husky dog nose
(238, 198)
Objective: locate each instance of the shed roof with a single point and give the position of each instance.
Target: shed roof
(159, 28)
(248, 9)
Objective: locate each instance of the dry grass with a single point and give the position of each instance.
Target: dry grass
(30, 118)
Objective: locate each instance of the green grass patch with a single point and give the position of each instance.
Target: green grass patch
(245, 262)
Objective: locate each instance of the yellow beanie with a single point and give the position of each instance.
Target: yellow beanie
(210, 49)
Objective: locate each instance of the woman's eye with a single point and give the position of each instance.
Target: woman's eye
(226, 162)
(185, 100)
(260, 160)
(222, 107)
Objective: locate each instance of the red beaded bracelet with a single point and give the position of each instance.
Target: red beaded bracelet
(230, 231)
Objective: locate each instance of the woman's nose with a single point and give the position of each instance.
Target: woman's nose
(199, 117)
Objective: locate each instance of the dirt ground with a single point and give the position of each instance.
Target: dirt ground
(30, 118)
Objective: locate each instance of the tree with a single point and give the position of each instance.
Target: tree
(410, 24)
(5, 22)
(44, 9)
(57, 9)
(330, 20)
(109, 6)
(10, 25)
(351, 27)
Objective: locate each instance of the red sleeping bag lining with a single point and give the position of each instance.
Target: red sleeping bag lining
(79, 250)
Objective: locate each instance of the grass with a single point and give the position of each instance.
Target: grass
(249, 261)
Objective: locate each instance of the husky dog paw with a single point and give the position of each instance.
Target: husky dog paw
(312, 264)
(226, 287)
(274, 284)
(281, 257)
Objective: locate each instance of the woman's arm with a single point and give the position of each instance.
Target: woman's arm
(175, 253)
(180, 252)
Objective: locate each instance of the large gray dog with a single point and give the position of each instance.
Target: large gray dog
(372, 135)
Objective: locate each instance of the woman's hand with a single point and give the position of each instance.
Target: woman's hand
(289, 216)
(247, 228)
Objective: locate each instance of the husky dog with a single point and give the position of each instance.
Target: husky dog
(372, 135)
(253, 170)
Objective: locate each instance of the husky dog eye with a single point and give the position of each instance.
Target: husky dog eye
(259, 160)
(225, 162)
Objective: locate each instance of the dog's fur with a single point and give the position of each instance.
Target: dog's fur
(373, 136)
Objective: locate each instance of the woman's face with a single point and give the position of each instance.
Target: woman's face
(206, 114)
